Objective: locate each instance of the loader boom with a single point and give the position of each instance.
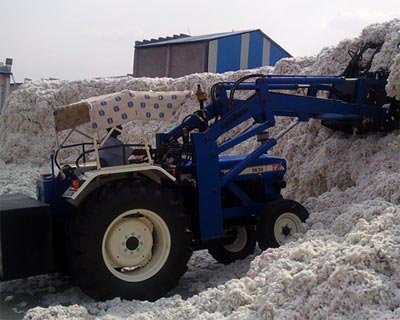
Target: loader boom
(265, 102)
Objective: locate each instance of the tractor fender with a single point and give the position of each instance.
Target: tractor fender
(96, 179)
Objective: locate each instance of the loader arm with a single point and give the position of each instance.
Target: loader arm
(265, 101)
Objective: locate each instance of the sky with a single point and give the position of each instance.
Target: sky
(78, 39)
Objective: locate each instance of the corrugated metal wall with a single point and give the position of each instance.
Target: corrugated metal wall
(171, 61)
(245, 51)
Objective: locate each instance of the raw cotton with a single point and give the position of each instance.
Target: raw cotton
(27, 124)
(346, 266)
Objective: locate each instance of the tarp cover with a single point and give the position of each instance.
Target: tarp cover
(117, 108)
(71, 116)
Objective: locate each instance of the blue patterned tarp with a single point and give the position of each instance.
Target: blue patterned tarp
(120, 107)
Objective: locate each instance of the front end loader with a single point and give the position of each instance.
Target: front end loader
(129, 230)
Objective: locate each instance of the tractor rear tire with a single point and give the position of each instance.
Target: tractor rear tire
(242, 246)
(278, 221)
(129, 239)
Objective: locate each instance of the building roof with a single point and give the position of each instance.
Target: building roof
(184, 38)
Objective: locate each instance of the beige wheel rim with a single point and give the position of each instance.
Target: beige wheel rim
(240, 241)
(136, 245)
(286, 226)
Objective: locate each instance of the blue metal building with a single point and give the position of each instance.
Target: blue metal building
(180, 55)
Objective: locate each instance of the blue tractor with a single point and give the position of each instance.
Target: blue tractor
(129, 230)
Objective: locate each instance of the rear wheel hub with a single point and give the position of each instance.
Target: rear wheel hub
(136, 245)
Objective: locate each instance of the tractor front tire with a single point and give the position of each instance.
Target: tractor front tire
(129, 239)
(278, 221)
(243, 244)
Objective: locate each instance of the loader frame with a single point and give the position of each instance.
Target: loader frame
(266, 102)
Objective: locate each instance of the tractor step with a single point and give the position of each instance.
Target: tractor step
(26, 246)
